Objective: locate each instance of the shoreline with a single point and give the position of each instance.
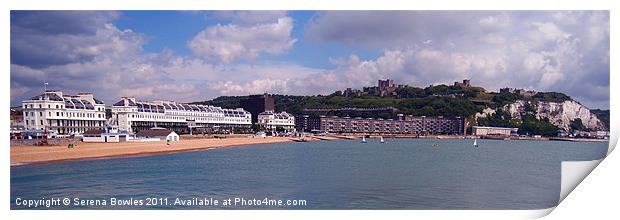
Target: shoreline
(24, 155)
(118, 156)
(506, 138)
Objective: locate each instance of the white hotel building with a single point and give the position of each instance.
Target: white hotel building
(64, 114)
(132, 116)
(272, 120)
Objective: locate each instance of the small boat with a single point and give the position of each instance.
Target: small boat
(475, 143)
(363, 139)
(382, 141)
(435, 145)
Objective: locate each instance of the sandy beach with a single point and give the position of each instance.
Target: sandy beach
(39, 154)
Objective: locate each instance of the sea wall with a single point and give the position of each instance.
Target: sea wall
(50, 141)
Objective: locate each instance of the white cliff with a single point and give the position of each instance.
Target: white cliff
(485, 112)
(559, 113)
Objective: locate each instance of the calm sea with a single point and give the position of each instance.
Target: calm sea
(343, 174)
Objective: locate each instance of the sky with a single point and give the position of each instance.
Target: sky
(199, 55)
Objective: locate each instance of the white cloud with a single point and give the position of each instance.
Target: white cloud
(251, 17)
(44, 38)
(545, 51)
(248, 88)
(496, 22)
(227, 43)
(549, 51)
(550, 31)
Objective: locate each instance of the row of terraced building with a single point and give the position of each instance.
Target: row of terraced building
(403, 125)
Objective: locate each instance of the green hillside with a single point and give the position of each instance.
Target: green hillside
(603, 115)
(438, 100)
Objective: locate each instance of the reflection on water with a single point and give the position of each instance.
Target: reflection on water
(344, 174)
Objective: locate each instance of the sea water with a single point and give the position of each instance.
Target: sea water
(341, 174)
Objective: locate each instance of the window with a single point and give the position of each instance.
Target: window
(41, 122)
(57, 113)
(57, 106)
(41, 114)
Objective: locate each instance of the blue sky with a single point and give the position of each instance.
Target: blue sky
(164, 32)
(163, 28)
(200, 55)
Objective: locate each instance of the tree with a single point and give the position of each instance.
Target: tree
(438, 90)
(551, 97)
(533, 126)
(411, 92)
(336, 93)
(602, 115)
(499, 119)
(504, 98)
(577, 125)
(530, 107)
